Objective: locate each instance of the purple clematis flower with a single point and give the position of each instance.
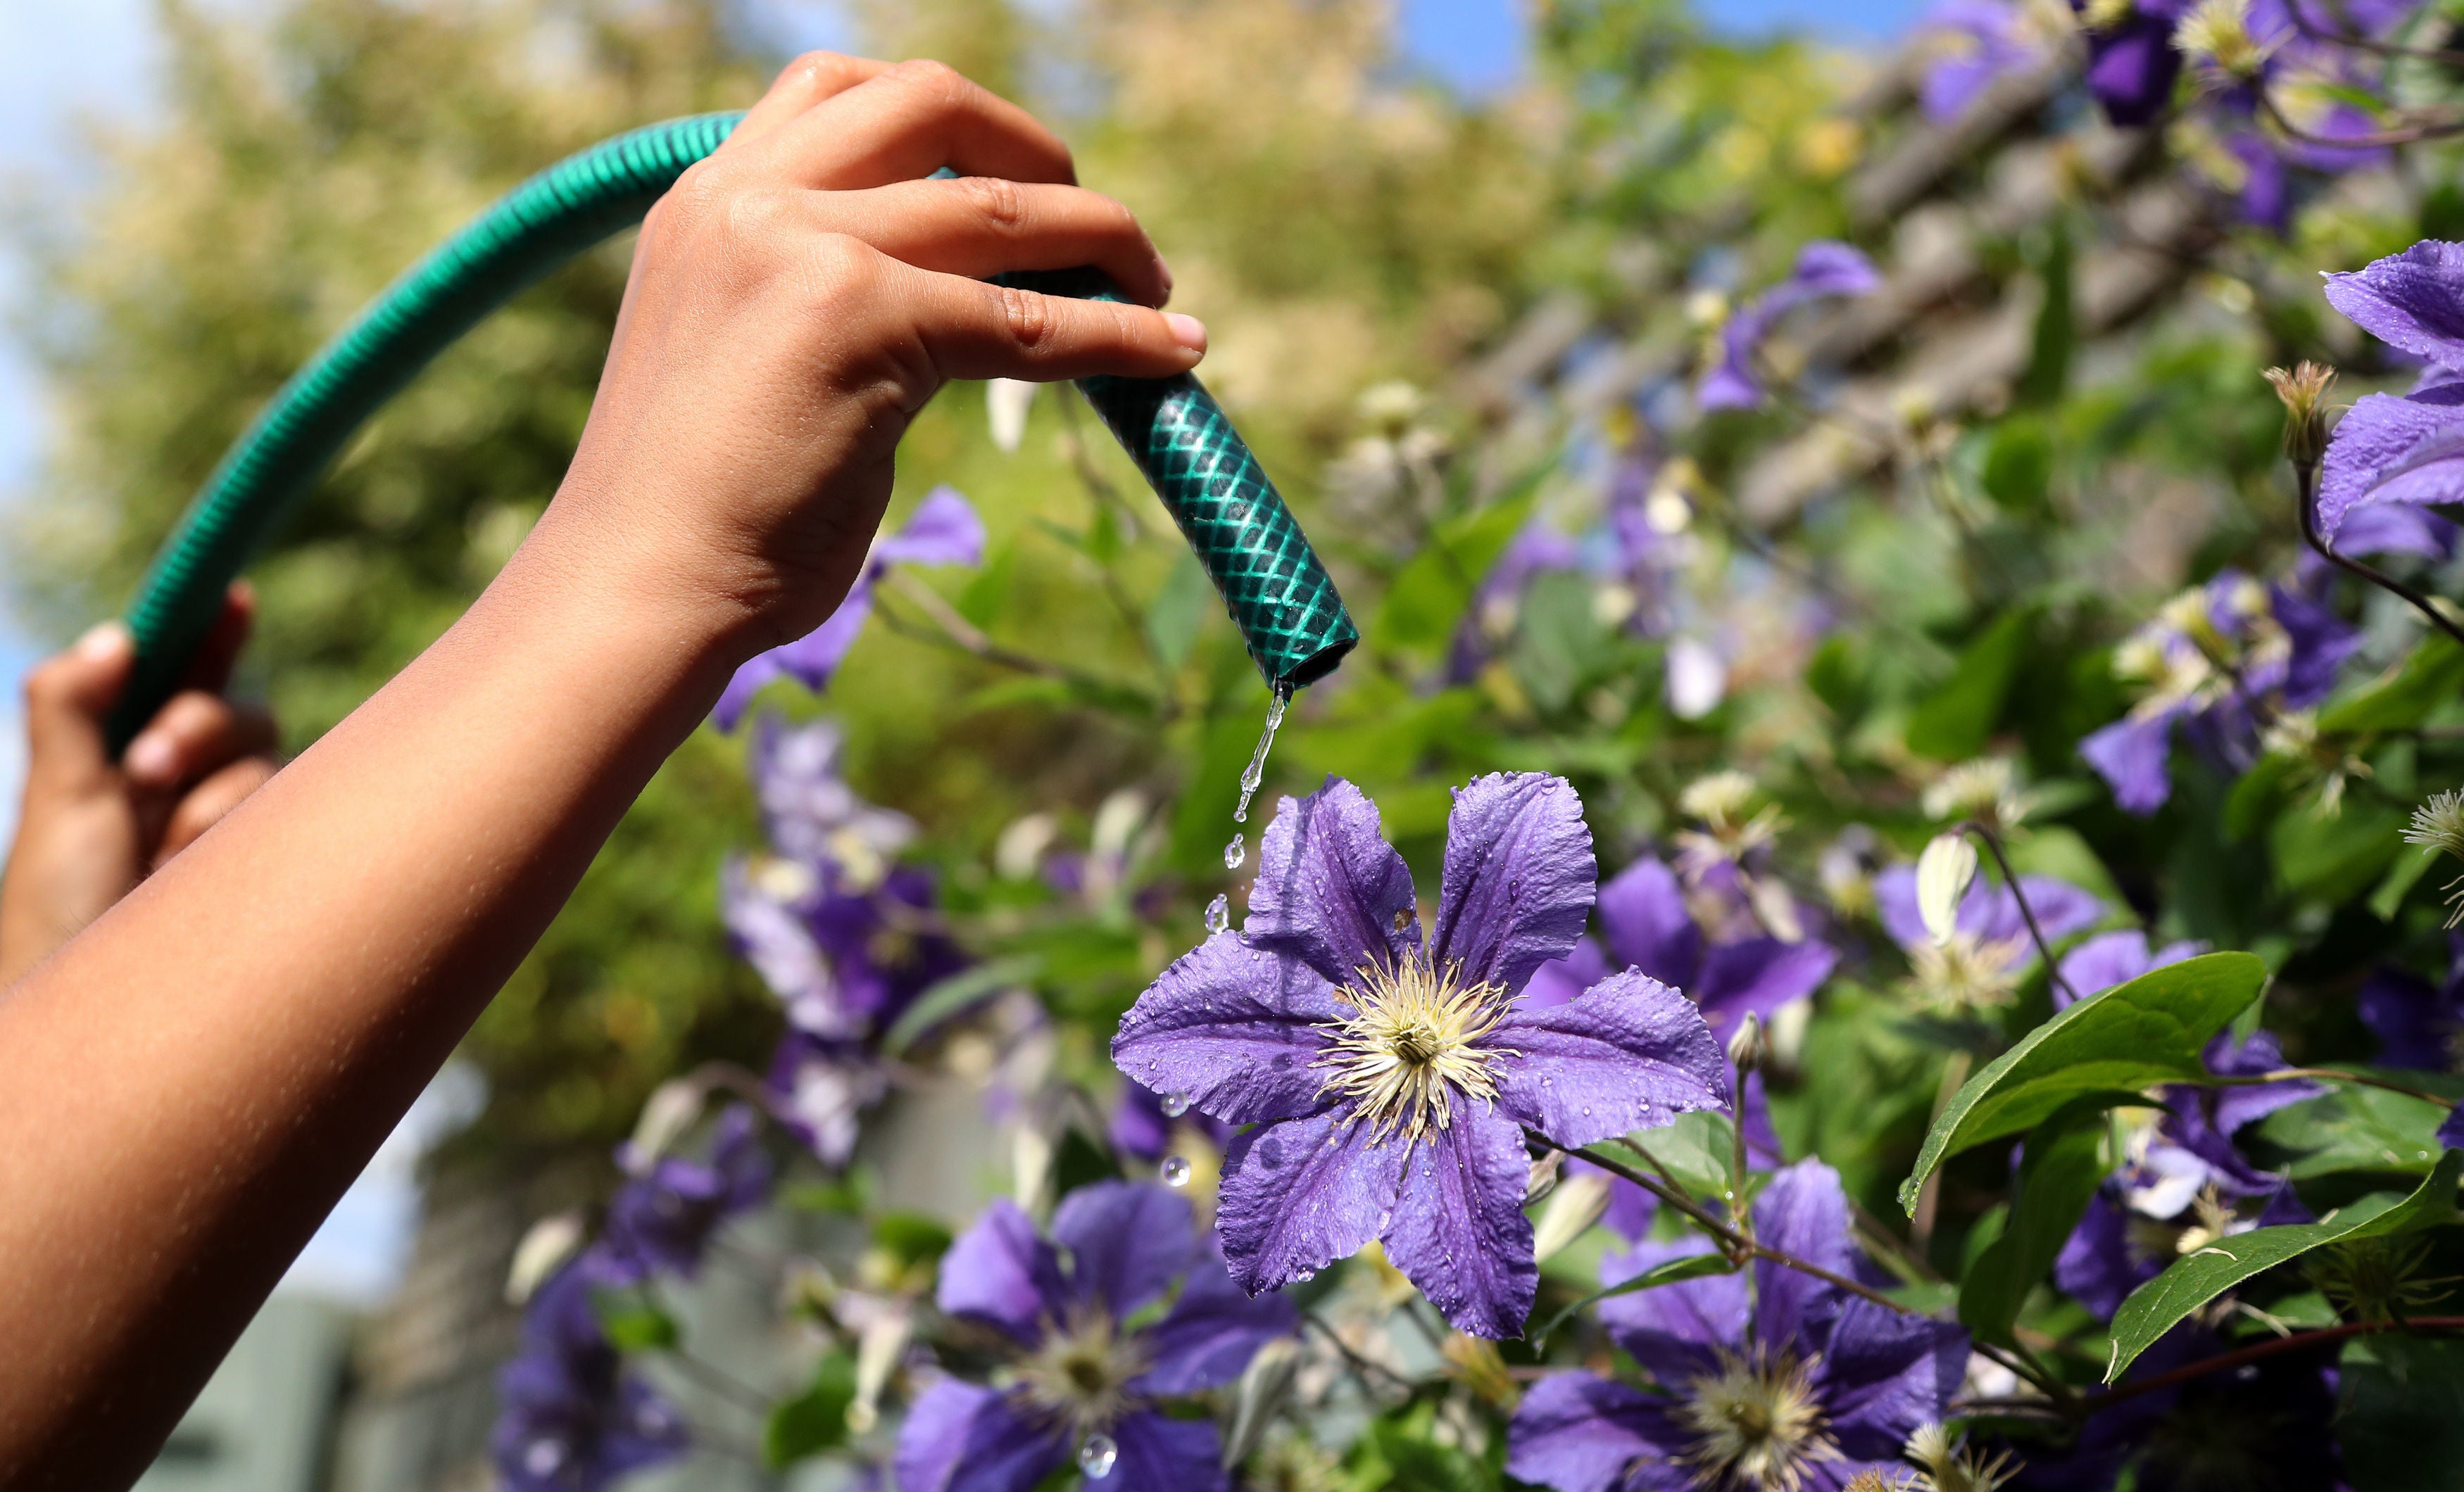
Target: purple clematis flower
(661, 1224)
(2216, 661)
(2409, 448)
(2419, 1025)
(1490, 620)
(1142, 1128)
(943, 530)
(809, 811)
(2131, 62)
(1973, 43)
(2184, 1185)
(570, 1418)
(1645, 921)
(1076, 1370)
(1389, 1079)
(2111, 958)
(1990, 951)
(1823, 267)
(1796, 1385)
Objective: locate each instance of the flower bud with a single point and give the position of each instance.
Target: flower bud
(547, 1245)
(1943, 874)
(2304, 392)
(1747, 1046)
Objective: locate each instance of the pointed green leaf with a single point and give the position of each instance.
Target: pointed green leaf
(2106, 1048)
(2058, 1172)
(2191, 1282)
(956, 995)
(814, 1420)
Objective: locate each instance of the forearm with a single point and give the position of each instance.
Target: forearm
(193, 1081)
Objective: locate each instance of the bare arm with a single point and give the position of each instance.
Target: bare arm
(191, 1081)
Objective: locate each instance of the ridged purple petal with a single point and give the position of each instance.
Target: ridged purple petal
(1883, 1373)
(1299, 1195)
(1458, 1230)
(2393, 448)
(2413, 300)
(962, 1437)
(1330, 892)
(1158, 1453)
(1645, 923)
(1519, 878)
(1804, 1213)
(1627, 1054)
(1000, 1272)
(1233, 1029)
(1578, 1433)
(1129, 1240)
(1211, 1331)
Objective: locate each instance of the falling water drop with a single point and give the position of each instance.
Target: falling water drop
(1175, 1171)
(1236, 853)
(1219, 918)
(1096, 1456)
(1305, 1277)
(1173, 1104)
(1256, 771)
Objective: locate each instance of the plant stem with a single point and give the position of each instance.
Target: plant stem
(2305, 476)
(2244, 1356)
(1993, 843)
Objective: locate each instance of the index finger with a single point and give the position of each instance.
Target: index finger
(908, 121)
(809, 80)
(210, 669)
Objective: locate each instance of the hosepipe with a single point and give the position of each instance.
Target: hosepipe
(1271, 581)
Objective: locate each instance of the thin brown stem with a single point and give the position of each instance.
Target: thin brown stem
(2408, 135)
(952, 630)
(2305, 477)
(2225, 1362)
(2383, 49)
(1984, 834)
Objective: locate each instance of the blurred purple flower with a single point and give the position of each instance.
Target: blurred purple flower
(2407, 447)
(2218, 661)
(1490, 620)
(1075, 1368)
(1793, 1384)
(1823, 267)
(2131, 62)
(2111, 958)
(2419, 1025)
(569, 1418)
(810, 813)
(943, 530)
(1973, 43)
(1142, 1129)
(1389, 1082)
(1989, 951)
(662, 1222)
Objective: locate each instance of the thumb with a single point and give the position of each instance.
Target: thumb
(67, 696)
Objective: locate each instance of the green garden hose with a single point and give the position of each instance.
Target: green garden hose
(1278, 593)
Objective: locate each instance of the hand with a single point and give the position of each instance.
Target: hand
(91, 830)
(796, 300)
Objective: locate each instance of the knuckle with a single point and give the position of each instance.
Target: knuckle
(843, 261)
(814, 67)
(48, 684)
(934, 78)
(1026, 314)
(755, 219)
(998, 200)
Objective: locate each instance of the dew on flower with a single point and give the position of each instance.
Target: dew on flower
(1219, 914)
(1175, 1171)
(1096, 1455)
(1173, 1105)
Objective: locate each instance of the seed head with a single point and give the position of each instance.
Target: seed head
(2304, 392)
(1755, 1424)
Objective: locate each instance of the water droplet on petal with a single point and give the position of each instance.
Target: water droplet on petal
(1173, 1104)
(1305, 1277)
(1219, 914)
(1175, 1171)
(1096, 1456)
(1236, 853)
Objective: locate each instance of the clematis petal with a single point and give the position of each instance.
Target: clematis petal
(1000, 1272)
(2111, 958)
(1458, 1230)
(2130, 754)
(2393, 448)
(2451, 1132)
(1299, 1195)
(962, 1437)
(2132, 68)
(1128, 1241)
(1518, 881)
(1646, 926)
(2413, 300)
(2404, 1012)
(1883, 1373)
(942, 530)
(1211, 1333)
(1803, 1212)
(1756, 976)
(748, 680)
(1629, 1053)
(1677, 1331)
(1330, 892)
(1561, 980)
(2256, 1056)
(1163, 1454)
(1828, 267)
(1233, 1028)
(2097, 1266)
(1580, 1433)
(810, 659)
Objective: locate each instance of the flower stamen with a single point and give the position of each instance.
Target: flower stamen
(1412, 1041)
(1756, 1424)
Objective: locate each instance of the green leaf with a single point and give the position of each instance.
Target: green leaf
(1699, 1149)
(1417, 1462)
(1431, 591)
(2060, 1170)
(2400, 1424)
(1179, 610)
(2106, 1047)
(1951, 723)
(814, 1420)
(2360, 1130)
(2401, 878)
(2018, 472)
(1558, 640)
(2049, 350)
(2335, 857)
(986, 591)
(633, 1324)
(911, 1238)
(954, 996)
(2189, 1283)
(2431, 674)
(1691, 1266)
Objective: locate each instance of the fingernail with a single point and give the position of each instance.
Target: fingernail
(1187, 330)
(151, 758)
(101, 641)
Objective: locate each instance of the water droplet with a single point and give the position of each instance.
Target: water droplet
(1096, 1456)
(1173, 1104)
(1175, 1171)
(1256, 772)
(1305, 1277)
(1237, 852)
(1219, 914)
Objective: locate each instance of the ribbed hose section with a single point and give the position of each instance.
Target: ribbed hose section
(533, 229)
(1279, 594)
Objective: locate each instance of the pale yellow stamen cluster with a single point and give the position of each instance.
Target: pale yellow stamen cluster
(1410, 1044)
(1968, 972)
(1951, 1467)
(1080, 1377)
(1755, 1425)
